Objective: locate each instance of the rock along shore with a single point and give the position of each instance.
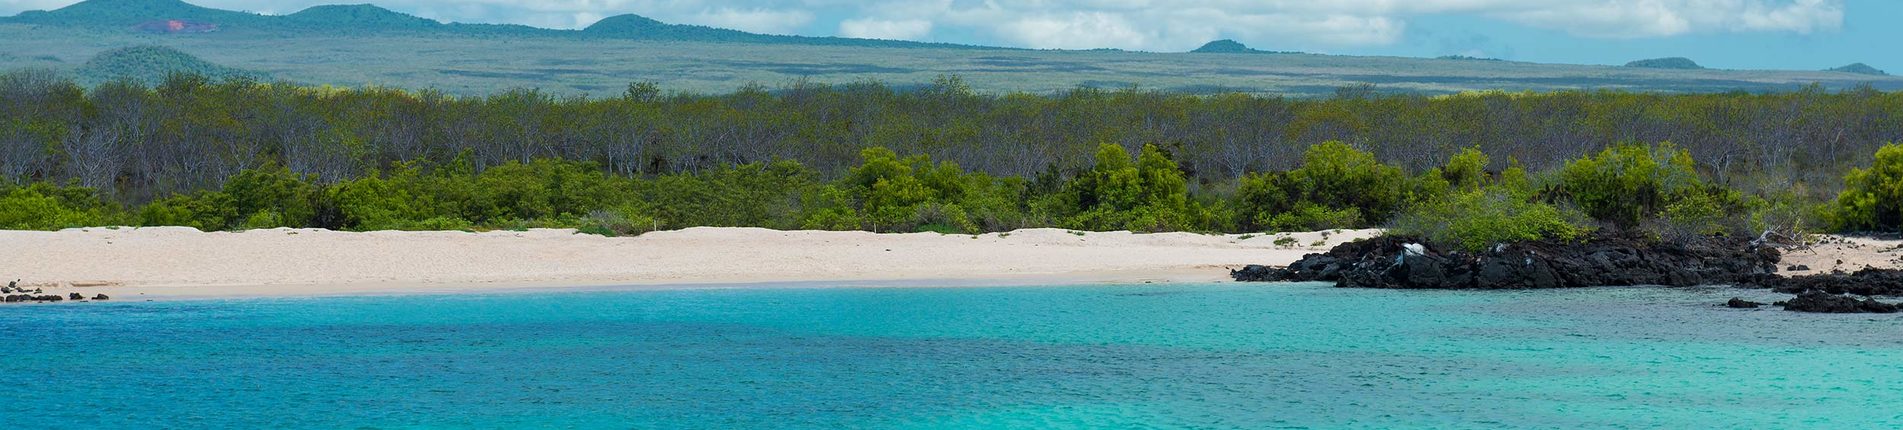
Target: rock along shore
(1399, 262)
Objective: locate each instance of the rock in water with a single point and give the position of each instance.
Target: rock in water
(1823, 302)
(1399, 262)
(1866, 282)
(1741, 303)
(101, 297)
(75, 296)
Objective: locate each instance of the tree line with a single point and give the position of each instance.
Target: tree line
(1468, 169)
(136, 143)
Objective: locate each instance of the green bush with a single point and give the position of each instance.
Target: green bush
(771, 195)
(270, 197)
(1872, 198)
(1146, 196)
(1478, 219)
(1626, 184)
(1334, 181)
(43, 206)
(626, 221)
(205, 210)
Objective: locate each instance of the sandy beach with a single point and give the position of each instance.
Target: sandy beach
(171, 262)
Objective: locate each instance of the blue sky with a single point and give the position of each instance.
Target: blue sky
(1741, 34)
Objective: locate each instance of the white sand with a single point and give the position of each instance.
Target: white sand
(146, 263)
(1845, 253)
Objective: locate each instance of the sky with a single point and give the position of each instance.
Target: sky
(1733, 34)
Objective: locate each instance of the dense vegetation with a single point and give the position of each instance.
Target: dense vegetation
(1467, 170)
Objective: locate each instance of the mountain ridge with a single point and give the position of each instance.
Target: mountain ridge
(150, 15)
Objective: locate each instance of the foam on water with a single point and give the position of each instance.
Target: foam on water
(1197, 356)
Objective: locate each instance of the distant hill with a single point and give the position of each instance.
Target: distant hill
(1466, 58)
(1225, 46)
(1859, 68)
(151, 65)
(351, 45)
(131, 13)
(1673, 63)
(1230, 46)
(178, 17)
(360, 17)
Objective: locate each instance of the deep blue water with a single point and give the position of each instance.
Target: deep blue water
(1149, 356)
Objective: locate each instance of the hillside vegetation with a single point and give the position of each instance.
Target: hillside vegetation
(1669, 63)
(150, 65)
(242, 154)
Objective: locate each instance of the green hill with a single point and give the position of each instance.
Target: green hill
(364, 19)
(1859, 68)
(128, 13)
(353, 45)
(151, 65)
(1225, 46)
(359, 17)
(1229, 46)
(1669, 63)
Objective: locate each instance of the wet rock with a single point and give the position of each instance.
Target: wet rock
(16, 298)
(1741, 303)
(1401, 262)
(1823, 302)
(1866, 282)
(75, 296)
(101, 297)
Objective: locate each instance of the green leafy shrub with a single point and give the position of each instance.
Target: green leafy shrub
(1478, 219)
(44, 206)
(272, 196)
(1626, 184)
(1116, 194)
(1872, 198)
(625, 221)
(206, 211)
(1334, 182)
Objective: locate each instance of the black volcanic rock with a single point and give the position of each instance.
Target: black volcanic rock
(1741, 303)
(1827, 303)
(1406, 263)
(1866, 282)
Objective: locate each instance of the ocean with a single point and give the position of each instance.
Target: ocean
(1210, 356)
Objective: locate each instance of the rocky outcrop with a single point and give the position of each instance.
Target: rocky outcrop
(1741, 303)
(1406, 263)
(1866, 282)
(1829, 303)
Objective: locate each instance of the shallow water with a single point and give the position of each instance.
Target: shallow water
(1148, 356)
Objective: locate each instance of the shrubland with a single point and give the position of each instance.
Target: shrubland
(1465, 171)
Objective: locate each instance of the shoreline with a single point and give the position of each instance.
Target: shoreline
(171, 263)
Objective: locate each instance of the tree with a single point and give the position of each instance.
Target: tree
(1872, 198)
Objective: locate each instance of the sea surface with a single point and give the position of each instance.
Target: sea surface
(1215, 356)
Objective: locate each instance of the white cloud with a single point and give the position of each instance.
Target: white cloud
(1132, 24)
(904, 29)
(754, 20)
(1171, 25)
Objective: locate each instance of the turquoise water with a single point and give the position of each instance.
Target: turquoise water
(1177, 356)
